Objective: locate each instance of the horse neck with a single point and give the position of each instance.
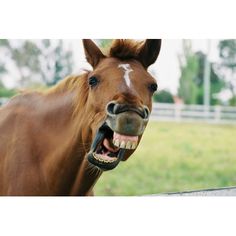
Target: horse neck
(68, 169)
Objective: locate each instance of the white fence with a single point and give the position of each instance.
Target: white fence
(211, 114)
(173, 112)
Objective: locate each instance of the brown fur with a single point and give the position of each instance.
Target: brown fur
(44, 137)
(125, 49)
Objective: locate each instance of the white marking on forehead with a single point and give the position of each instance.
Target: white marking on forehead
(127, 69)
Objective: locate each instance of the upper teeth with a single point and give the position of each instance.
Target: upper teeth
(125, 144)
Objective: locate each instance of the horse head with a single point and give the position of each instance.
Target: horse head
(119, 98)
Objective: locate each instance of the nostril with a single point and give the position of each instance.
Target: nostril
(146, 112)
(116, 108)
(111, 108)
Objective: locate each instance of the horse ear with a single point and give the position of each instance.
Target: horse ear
(92, 52)
(149, 52)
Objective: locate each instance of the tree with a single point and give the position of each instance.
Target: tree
(191, 88)
(104, 44)
(227, 67)
(20, 55)
(4, 92)
(57, 62)
(35, 61)
(2, 68)
(216, 81)
(163, 96)
(188, 61)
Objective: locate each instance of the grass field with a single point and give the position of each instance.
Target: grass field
(175, 157)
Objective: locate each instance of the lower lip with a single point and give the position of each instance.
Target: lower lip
(106, 166)
(100, 164)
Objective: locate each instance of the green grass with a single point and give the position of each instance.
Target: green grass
(175, 157)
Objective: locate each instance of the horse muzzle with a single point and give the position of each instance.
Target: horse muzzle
(119, 135)
(127, 119)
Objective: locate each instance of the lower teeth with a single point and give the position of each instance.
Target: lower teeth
(97, 157)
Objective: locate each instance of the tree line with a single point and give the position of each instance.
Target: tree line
(191, 82)
(33, 63)
(45, 62)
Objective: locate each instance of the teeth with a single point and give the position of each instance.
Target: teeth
(116, 143)
(123, 144)
(99, 158)
(134, 144)
(128, 145)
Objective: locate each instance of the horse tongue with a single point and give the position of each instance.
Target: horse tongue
(109, 145)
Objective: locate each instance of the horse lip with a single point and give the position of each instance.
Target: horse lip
(106, 166)
(143, 111)
(100, 135)
(129, 109)
(127, 123)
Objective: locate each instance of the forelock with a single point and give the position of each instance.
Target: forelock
(125, 49)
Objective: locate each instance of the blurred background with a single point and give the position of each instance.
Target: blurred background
(190, 142)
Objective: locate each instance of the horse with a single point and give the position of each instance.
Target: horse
(59, 141)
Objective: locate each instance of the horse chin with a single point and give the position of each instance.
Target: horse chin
(109, 148)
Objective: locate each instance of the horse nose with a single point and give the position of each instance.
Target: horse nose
(113, 108)
(127, 119)
(146, 112)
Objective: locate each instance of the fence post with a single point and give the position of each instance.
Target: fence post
(177, 112)
(206, 112)
(217, 114)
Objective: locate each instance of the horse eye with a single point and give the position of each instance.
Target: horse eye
(153, 87)
(93, 81)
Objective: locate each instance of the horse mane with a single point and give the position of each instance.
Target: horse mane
(122, 49)
(125, 49)
(68, 83)
(72, 83)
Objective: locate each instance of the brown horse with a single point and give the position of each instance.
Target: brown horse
(60, 141)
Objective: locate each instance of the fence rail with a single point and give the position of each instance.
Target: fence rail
(174, 112)
(211, 114)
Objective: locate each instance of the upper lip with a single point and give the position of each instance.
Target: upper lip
(130, 109)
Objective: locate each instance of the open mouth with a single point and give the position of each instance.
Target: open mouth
(109, 147)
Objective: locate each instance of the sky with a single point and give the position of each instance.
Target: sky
(166, 68)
